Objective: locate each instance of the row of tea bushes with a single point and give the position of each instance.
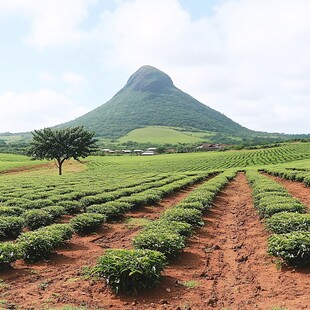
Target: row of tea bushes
(39, 244)
(11, 226)
(128, 271)
(284, 217)
(127, 199)
(289, 174)
(35, 245)
(69, 195)
(270, 197)
(120, 206)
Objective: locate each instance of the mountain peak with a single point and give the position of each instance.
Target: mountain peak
(150, 79)
(150, 99)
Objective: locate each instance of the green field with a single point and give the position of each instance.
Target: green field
(10, 161)
(161, 135)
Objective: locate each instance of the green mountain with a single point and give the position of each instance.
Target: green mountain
(150, 98)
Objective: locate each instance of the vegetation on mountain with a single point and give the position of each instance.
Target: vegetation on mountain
(150, 99)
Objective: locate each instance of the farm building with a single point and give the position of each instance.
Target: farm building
(148, 153)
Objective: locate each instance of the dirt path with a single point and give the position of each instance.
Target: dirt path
(296, 189)
(60, 281)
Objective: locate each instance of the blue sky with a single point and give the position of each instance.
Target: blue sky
(248, 59)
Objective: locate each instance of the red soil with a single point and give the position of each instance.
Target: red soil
(225, 261)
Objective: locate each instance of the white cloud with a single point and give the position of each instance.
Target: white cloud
(51, 22)
(35, 110)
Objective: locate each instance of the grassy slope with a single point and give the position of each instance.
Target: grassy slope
(9, 161)
(159, 135)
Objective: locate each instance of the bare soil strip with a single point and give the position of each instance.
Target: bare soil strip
(296, 189)
(60, 281)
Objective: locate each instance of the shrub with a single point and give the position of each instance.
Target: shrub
(9, 252)
(110, 209)
(204, 198)
(307, 180)
(39, 244)
(189, 216)
(10, 211)
(11, 226)
(282, 207)
(141, 199)
(128, 271)
(71, 207)
(37, 218)
(181, 228)
(192, 205)
(55, 212)
(87, 222)
(286, 222)
(293, 248)
(65, 231)
(17, 202)
(96, 199)
(162, 240)
(38, 204)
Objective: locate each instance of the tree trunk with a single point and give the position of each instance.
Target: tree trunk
(60, 162)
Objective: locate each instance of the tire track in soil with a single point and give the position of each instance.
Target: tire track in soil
(296, 189)
(59, 281)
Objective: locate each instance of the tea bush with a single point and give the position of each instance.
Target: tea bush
(163, 240)
(190, 216)
(293, 248)
(286, 222)
(39, 244)
(55, 212)
(10, 226)
(10, 211)
(128, 271)
(87, 222)
(9, 252)
(37, 218)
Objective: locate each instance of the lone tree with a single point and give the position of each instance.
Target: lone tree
(61, 144)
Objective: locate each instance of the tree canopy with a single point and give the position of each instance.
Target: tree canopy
(61, 144)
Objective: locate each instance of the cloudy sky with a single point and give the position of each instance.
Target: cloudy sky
(249, 59)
